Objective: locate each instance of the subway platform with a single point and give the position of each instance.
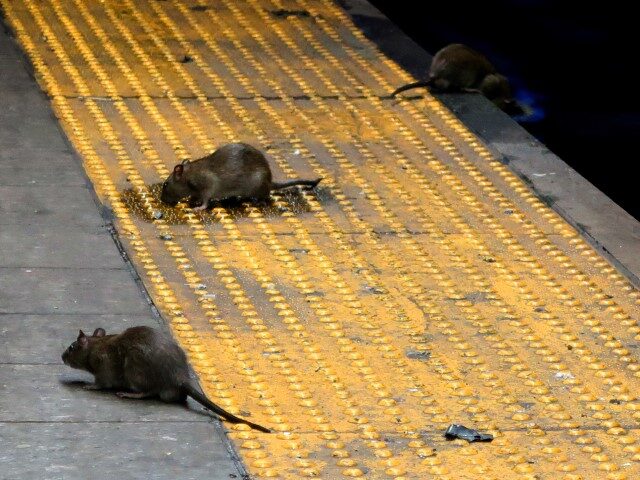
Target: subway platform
(447, 269)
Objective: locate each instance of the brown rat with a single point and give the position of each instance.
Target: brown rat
(233, 170)
(143, 362)
(458, 68)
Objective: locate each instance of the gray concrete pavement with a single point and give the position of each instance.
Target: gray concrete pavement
(60, 270)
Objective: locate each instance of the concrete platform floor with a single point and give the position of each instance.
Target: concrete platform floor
(60, 270)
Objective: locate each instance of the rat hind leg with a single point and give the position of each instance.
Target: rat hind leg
(172, 395)
(137, 382)
(440, 84)
(261, 194)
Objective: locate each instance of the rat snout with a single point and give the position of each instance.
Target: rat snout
(165, 197)
(65, 355)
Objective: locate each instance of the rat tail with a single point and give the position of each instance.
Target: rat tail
(195, 393)
(409, 86)
(308, 183)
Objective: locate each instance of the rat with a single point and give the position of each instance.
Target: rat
(141, 362)
(233, 170)
(459, 68)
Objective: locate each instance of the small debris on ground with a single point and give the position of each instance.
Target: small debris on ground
(374, 290)
(186, 59)
(460, 431)
(282, 13)
(417, 354)
(477, 297)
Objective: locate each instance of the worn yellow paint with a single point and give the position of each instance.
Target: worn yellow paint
(423, 284)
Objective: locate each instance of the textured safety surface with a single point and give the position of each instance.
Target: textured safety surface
(423, 284)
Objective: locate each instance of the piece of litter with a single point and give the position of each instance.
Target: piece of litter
(158, 214)
(564, 375)
(417, 354)
(375, 290)
(460, 431)
(296, 152)
(539, 174)
(166, 236)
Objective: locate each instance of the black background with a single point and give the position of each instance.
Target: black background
(575, 64)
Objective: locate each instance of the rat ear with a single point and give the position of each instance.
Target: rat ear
(99, 332)
(185, 161)
(82, 339)
(178, 170)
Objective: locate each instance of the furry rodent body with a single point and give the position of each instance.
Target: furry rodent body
(235, 170)
(140, 362)
(459, 68)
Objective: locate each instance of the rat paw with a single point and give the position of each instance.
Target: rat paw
(200, 207)
(91, 386)
(130, 395)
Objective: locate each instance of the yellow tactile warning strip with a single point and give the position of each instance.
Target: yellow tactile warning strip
(423, 284)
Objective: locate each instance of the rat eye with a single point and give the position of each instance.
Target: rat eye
(72, 347)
